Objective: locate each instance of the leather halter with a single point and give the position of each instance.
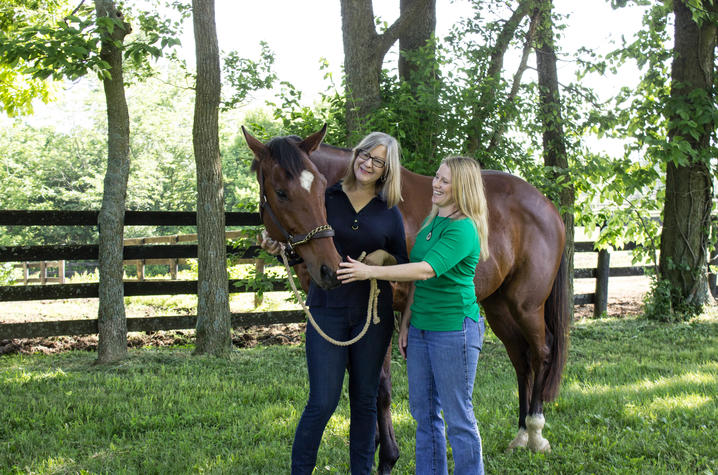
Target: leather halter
(293, 241)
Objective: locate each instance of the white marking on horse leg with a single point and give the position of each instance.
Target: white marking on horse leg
(520, 441)
(306, 179)
(534, 425)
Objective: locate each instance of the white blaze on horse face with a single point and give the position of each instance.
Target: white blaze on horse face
(306, 179)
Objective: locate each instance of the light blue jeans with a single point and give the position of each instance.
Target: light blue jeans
(441, 367)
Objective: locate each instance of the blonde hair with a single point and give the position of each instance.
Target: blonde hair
(467, 191)
(389, 185)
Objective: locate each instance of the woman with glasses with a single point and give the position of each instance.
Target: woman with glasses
(442, 328)
(361, 208)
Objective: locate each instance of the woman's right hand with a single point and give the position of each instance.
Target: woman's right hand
(269, 244)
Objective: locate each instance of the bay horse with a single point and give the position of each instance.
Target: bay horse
(522, 287)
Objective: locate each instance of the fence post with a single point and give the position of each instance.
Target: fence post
(141, 265)
(173, 262)
(258, 270)
(61, 271)
(603, 269)
(43, 272)
(25, 273)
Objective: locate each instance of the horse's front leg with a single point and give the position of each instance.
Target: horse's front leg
(386, 440)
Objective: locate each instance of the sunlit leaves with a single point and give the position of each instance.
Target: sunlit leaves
(246, 75)
(57, 45)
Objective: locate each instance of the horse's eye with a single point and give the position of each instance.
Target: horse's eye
(282, 195)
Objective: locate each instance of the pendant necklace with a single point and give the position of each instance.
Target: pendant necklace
(433, 223)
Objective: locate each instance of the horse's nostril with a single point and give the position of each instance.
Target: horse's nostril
(326, 272)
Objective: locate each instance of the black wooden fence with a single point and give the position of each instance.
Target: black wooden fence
(171, 287)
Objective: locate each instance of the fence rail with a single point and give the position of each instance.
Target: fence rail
(148, 250)
(132, 218)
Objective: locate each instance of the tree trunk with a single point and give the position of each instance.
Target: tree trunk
(364, 52)
(111, 319)
(554, 143)
(362, 64)
(421, 138)
(689, 190)
(416, 37)
(213, 322)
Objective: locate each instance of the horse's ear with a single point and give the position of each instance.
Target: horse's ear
(260, 150)
(311, 143)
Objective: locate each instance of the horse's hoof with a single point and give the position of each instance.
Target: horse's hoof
(520, 441)
(539, 444)
(536, 441)
(383, 471)
(386, 464)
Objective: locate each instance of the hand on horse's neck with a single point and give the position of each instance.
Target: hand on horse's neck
(360, 195)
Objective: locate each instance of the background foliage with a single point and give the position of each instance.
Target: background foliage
(620, 191)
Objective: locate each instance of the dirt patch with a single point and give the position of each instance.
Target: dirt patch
(281, 334)
(616, 308)
(625, 297)
(246, 337)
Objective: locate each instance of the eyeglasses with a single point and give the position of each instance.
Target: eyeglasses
(364, 155)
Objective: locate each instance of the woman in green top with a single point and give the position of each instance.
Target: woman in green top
(442, 328)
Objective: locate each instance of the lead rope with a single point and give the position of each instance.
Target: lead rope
(371, 310)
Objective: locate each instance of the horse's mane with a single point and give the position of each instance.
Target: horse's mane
(287, 155)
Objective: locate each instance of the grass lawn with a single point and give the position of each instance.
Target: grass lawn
(637, 397)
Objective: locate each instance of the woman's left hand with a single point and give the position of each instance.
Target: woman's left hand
(353, 271)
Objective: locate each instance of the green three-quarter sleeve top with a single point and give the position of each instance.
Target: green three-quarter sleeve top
(452, 250)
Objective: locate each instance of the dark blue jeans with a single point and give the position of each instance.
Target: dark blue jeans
(326, 364)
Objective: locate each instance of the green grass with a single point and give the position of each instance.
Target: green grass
(637, 397)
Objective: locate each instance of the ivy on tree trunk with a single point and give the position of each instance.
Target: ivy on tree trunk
(689, 184)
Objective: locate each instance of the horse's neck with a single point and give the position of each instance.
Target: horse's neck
(331, 161)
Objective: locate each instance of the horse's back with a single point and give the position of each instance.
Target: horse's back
(512, 198)
(526, 235)
(331, 161)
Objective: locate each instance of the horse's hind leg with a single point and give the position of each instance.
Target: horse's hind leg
(520, 326)
(540, 354)
(386, 440)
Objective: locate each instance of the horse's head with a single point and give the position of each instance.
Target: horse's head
(292, 201)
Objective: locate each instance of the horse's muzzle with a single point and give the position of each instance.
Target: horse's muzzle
(328, 278)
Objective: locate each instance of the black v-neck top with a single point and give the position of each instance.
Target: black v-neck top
(374, 227)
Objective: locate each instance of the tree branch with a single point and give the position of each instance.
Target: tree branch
(528, 44)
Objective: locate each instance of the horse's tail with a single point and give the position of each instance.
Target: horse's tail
(557, 316)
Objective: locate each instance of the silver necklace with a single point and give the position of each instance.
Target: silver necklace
(433, 223)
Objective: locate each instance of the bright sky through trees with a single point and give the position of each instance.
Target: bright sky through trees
(302, 33)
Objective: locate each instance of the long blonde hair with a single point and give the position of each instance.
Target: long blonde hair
(467, 191)
(389, 185)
